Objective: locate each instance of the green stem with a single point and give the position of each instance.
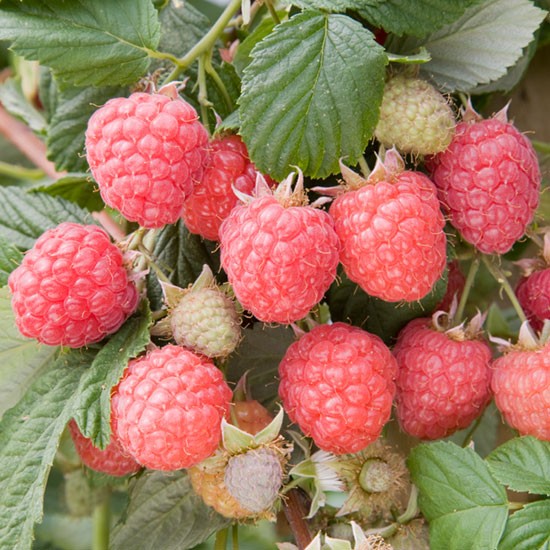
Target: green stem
(20, 173)
(386, 531)
(219, 82)
(412, 507)
(470, 434)
(235, 538)
(474, 266)
(152, 264)
(102, 523)
(221, 539)
(272, 12)
(161, 55)
(206, 43)
(541, 147)
(203, 93)
(499, 276)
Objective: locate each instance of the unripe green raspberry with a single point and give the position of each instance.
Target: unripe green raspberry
(414, 117)
(253, 479)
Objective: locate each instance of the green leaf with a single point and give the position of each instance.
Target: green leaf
(21, 360)
(333, 6)
(242, 57)
(15, 102)
(68, 122)
(311, 95)
(463, 503)
(230, 123)
(523, 464)
(529, 528)
(479, 47)
(29, 435)
(164, 512)
(10, 258)
(25, 216)
(85, 42)
(93, 408)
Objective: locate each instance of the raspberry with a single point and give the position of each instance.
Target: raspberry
(112, 460)
(414, 117)
(442, 384)
(391, 230)
(146, 152)
(253, 479)
(279, 259)
(520, 382)
(250, 416)
(489, 181)
(168, 408)
(213, 197)
(337, 385)
(71, 288)
(533, 293)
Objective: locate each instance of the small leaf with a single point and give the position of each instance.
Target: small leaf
(523, 464)
(15, 102)
(528, 528)
(93, 408)
(86, 43)
(479, 47)
(10, 258)
(29, 436)
(23, 360)
(164, 512)
(311, 94)
(242, 57)
(25, 216)
(235, 440)
(465, 506)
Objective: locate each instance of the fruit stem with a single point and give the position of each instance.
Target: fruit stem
(102, 522)
(412, 507)
(386, 531)
(218, 81)
(541, 146)
(20, 173)
(272, 12)
(499, 276)
(221, 539)
(470, 434)
(535, 238)
(474, 266)
(296, 510)
(235, 537)
(365, 170)
(151, 263)
(207, 42)
(203, 93)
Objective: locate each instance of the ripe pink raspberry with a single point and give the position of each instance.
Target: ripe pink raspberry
(533, 293)
(443, 384)
(213, 197)
(72, 288)
(146, 152)
(112, 460)
(337, 385)
(279, 258)
(391, 230)
(521, 382)
(489, 180)
(168, 408)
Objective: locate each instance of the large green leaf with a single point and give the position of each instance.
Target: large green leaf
(10, 258)
(529, 528)
(21, 360)
(478, 48)
(29, 436)
(311, 94)
(523, 464)
(93, 407)
(85, 42)
(463, 503)
(164, 512)
(25, 216)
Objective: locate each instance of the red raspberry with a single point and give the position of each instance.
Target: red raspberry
(71, 288)
(533, 293)
(146, 152)
(112, 460)
(279, 259)
(489, 180)
(337, 385)
(521, 382)
(442, 384)
(168, 408)
(213, 197)
(391, 230)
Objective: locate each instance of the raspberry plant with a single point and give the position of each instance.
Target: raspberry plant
(274, 271)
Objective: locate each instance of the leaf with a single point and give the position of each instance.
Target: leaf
(465, 506)
(10, 258)
(25, 216)
(528, 528)
(523, 464)
(15, 102)
(85, 42)
(68, 122)
(21, 360)
(333, 6)
(479, 47)
(29, 435)
(164, 512)
(311, 95)
(242, 57)
(259, 355)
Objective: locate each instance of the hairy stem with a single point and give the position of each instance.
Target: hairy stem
(474, 266)
(272, 11)
(20, 172)
(412, 507)
(295, 509)
(470, 434)
(102, 523)
(235, 537)
(221, 540)
(218, 81)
